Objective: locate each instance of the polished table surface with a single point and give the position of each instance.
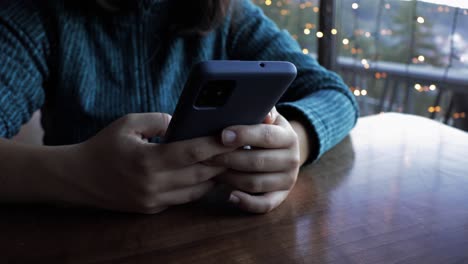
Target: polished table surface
(395, 191)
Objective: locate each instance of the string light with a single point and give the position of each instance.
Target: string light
(434, 109)
(365, 54)
(355, 47)
(450, 63)
(459, 115)
(464, 58)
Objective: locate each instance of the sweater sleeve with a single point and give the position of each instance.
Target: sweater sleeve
(318, 98)
(22, 65)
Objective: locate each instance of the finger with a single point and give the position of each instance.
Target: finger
(271, 117)
(185, 195)
(147, 125)
(259, 160)
(184, 153)
(262, 135)
(257, 182)
(281, 121)
(258, 203)
(190, 176)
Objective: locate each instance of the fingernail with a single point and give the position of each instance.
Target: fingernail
(229, 137)
(234, 199)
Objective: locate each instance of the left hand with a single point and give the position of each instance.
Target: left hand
(264, 175)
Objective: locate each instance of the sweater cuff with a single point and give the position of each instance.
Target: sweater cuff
(327, 116)
(294, 112)
(4, 125)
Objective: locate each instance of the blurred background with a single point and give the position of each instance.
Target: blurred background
(403, 56)
(395, 55)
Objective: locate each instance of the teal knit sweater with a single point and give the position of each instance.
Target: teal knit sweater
(85, 67)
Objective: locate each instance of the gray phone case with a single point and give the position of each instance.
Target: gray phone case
(259, 86)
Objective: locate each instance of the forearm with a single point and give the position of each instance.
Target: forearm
(31, 173)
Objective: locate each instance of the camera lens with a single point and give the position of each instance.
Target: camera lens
(215, 93)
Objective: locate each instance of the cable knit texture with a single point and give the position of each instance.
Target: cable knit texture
(85, 67)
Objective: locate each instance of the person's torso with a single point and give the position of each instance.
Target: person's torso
(103, 67)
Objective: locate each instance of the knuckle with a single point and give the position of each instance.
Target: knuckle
(255, 186)
(166, 119)
(144, 204)
(268, 135)
(145, 192)
(290, 181)
(200, 176)
(194, 195)
(195, 154)
(258, 163)
(295, 161)
(294, 139)
(148, 190)
(225, 160)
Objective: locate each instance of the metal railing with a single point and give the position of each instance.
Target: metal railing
(417, 89)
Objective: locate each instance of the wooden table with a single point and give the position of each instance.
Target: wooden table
(395, 191)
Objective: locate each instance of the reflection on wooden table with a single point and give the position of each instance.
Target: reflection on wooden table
(395, 191)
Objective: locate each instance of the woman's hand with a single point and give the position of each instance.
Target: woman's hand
(265, 174)
(118, 169)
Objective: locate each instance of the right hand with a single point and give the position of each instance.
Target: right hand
(119, 170)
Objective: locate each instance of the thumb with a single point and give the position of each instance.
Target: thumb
(148, 125)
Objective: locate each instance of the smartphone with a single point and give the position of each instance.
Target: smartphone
(219, 94)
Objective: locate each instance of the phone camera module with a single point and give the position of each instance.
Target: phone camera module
(215, 93)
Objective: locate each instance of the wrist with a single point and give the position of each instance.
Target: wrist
(56, 167)
(32, 174)
(21, 172)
